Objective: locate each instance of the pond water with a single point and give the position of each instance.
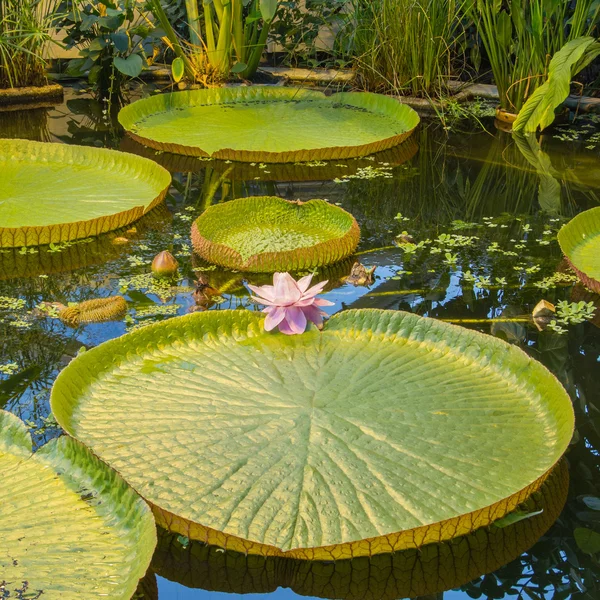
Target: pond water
(460, 224)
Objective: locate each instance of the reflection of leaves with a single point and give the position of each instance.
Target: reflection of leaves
(16, 384)
(592, 502)
(549, 189)
(587, 540)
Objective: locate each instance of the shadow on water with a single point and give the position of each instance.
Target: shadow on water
(460, 225)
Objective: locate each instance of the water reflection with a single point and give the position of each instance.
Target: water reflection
(411, 573)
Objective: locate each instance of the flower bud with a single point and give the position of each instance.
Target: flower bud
(164, 264)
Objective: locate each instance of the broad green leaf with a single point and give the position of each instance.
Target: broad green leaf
(515, 517)
(385, 431)
(177, 69)
(268, 9)
(432, 568)
(588, 540)
(266, 234)
(120, 40)
(70, 526)
(131, 66)
(53, 193)
(538, 111)
(254, 124)
(579, 240)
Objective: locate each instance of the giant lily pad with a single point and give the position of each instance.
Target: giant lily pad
(405, 574)
(579, 240)
(70, 527)
(269, 124)
(386, 431)
(267, 234)
(52, 193)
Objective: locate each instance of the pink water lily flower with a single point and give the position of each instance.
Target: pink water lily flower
(290, 303)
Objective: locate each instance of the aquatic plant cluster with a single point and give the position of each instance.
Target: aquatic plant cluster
(270, 338)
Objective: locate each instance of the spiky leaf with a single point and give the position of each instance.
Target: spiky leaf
(70, 526)
(267, 234)
(385, 431)
(254, 124)
(53, 193)
(579, 240)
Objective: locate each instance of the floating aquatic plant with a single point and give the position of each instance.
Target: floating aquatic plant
(70, 526)
(410, 573)
(55, 193)
(579, 240)
(97, 310)
(268, 234)
(291, 304)
(269, 124)
(382, 432)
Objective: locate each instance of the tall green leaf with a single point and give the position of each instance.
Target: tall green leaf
(268, 9)
(538, 111)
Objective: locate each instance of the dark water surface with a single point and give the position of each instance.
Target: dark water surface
(482, 208)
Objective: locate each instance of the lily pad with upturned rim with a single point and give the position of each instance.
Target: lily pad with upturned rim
(51, 193)
(386, 431)
(269, 124)
(70, 526)
(579, 240)
(406, 574)
(264, 234)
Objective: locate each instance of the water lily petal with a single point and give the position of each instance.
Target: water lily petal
(286, 289)
(304, 282)
(313, 314)
(322, 302)
(263, 301)
(264, 291)
(275, 315)
(315, 289)
(296, 319)
(285, 328)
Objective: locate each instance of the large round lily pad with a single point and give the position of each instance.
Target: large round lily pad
(70, 527)
(386, 431)
(409, 573)
(579, 240)
(52, 193)
(269, 124)
(265, 234)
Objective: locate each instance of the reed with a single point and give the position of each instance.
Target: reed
(404, 46)
(25, 28)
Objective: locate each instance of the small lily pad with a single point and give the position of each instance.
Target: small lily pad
(265, 234)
